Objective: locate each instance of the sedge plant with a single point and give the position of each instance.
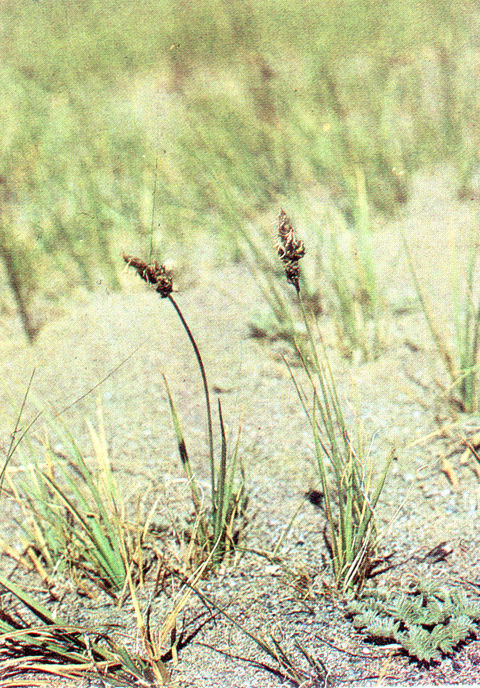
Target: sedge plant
(346, 473)
(217, 527)
(278, 320)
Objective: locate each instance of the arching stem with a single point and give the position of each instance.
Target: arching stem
(207, 394)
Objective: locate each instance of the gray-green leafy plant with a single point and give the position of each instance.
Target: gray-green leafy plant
(351, 491)
(427, 620)
(219, 526)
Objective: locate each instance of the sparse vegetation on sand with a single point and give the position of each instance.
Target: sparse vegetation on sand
(315, 371)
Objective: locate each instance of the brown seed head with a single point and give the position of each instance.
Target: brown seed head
(290, 249)
(152, 273)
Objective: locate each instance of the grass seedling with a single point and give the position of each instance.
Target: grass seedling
(462, 363)
(346, 474)
(218, 526)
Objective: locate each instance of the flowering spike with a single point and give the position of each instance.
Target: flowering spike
(152, 273)
(290, 249)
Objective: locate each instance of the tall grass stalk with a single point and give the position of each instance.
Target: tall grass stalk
(205, 391)
(467, 328)
(346, 471)
(227, 503)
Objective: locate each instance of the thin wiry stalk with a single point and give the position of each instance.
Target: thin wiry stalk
(215, 533)
(185, 460)
(205, 389)
(221, 487)
(286, 665)
(437, 337)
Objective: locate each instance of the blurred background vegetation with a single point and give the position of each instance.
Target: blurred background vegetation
(193, 119)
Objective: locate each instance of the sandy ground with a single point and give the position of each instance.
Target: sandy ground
(396, 397)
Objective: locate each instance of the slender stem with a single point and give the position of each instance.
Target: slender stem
(205, 387)
(437, 337)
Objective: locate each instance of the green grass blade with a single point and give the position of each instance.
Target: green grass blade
(219, 507)
(40, 611)
(182, 450)
(108, 558)
(14, 442)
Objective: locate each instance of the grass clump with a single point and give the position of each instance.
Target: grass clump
(461, 363)
(346, 470)
(427, 620)
(73, 517)
(218, 526)
(357, 306)
(37, 641)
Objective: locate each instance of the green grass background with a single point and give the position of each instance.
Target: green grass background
(195, 118)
